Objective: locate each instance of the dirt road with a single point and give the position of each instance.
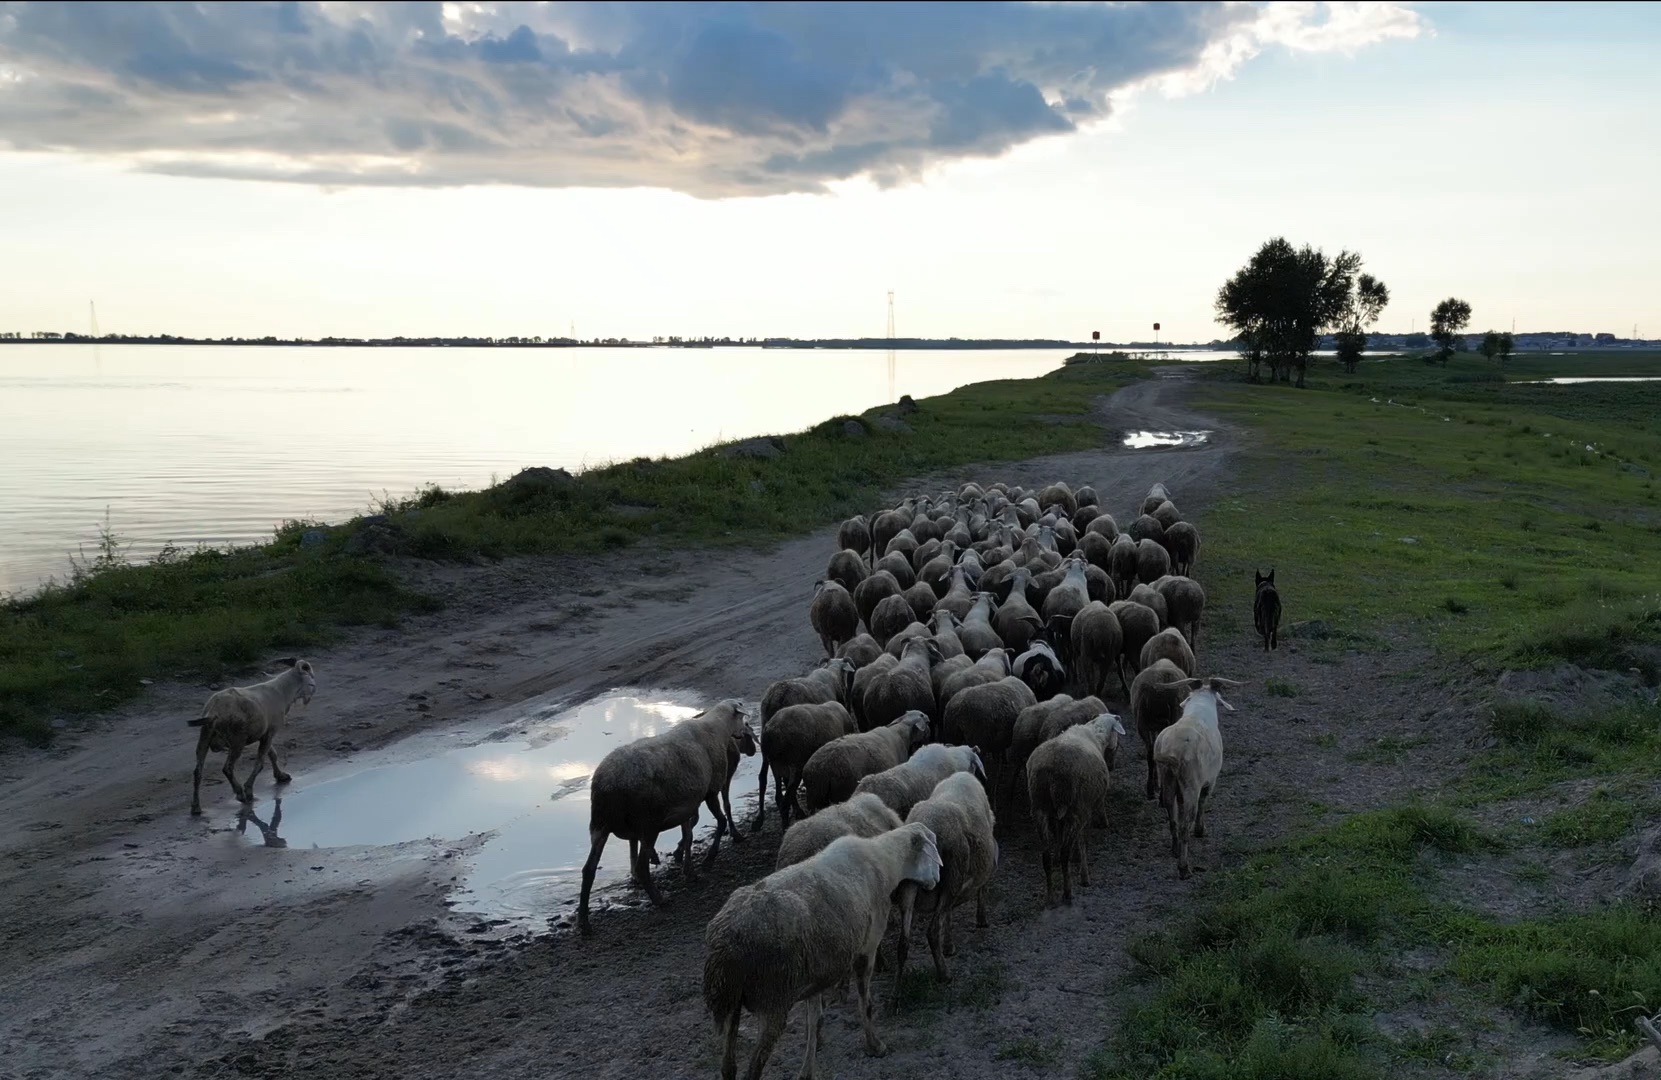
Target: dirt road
(140, 942)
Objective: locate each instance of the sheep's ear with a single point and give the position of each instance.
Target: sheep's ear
(1118, 725)
(1220, 701)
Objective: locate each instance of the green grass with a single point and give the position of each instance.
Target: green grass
(87, 644)
(1537, 748)
(1275, 686)
(1603, 818)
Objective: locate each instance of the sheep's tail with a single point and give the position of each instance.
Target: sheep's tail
(199, 721)
(723, 988)
(1170, 783)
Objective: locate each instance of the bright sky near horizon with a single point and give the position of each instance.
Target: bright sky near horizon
(1009, 170)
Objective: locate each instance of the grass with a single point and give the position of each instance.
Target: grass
(1275, 686)
(85, 644)
(974, 985)
(1030, 1051)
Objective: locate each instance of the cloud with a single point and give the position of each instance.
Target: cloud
(713, 99)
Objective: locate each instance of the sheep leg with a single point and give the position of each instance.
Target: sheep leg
(1153, 775)
(1199, 813)
(276, 770)
(1049, 881)
(721, 825)
(980, 909)
(791, 808)
(772, 1026)
(232, 752)
(260, 753)
(1122, 682)
(908, 907)
(642, 870)
(761, 799)
(686, 845)
(867, 1008)
(597, 843)
(935, 949)
(203, 743)
(950, 933)
(815, 1016)
(1068, 843)
(729, 1045)
(731, 824)
(1083, 861)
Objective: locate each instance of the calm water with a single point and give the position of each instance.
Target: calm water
(528, 789)
(219, 445)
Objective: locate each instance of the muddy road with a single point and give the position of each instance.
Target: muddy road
(141, 942)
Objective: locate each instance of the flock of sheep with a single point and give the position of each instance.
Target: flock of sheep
(957, 630)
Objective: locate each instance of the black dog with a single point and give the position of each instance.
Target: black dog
(1266, 609)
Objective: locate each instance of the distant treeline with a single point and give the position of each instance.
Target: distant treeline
(49, 338)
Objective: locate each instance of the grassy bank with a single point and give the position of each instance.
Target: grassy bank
(90, 644)
(1429, 503)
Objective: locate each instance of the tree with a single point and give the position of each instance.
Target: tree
(1508, 345)
(1281, 302)
(1363, 306)
(1449, 318)
(1490, 346)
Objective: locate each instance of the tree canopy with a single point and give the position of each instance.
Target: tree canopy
(1447, 321)
(1282, 301)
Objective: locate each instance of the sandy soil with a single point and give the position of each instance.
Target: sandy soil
(140, 942)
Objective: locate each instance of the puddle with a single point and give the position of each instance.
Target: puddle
(1143, 440)
(1567, 380)
(530, 789)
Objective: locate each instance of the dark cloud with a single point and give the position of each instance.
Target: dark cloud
(715, 99)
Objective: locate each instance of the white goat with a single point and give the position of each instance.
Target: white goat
(238, 715)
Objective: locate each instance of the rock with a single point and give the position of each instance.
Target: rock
(757, 486)
(1643, 1065)
(853, 428)
(1637, 470)
(763, 446)
(907, 406)
(315, 537)
(375, 539)
(892, 423)
(538, 477)
(1310, 630)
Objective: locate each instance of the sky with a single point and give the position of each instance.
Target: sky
(1008, 170)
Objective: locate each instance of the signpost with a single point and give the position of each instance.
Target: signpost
(1095, 340)
(1156, 334)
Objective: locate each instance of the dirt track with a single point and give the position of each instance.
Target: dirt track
(140, 942)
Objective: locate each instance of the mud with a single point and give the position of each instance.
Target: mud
(140, 942)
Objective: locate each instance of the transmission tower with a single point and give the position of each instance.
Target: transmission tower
(94, 306)
(891, 396)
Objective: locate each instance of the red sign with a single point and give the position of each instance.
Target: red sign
(1095, 335)
(1156, 326)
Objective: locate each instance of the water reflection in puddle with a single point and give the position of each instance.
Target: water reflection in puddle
(1143, 440)
(531, 791)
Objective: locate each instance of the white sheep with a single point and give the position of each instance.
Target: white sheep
(1067, 786)
(909, 783)
(835, 769)
(961, 819)
(1188, 756)
(801, 931)
(862, 815)
(238, 715)
(641, 788)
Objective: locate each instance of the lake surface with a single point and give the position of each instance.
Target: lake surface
(219, 445)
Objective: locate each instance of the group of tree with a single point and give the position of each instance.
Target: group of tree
(1284, 299)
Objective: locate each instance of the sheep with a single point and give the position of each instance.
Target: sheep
(909, 783)
(896, 644)
(991, 667)
(872, 591)
(1185, 602)
(1099, 585)
(855, 535)
(922, 601)
(898, 566)
(962, 822)
(905, 686)
(887, 525)
(1098, 644)
(861, 815)
(238, 715)
(1097, 550)
(744, 745)
(863, 678)
(1139, 623)
(1041, 668)
(788, 741)
(1067, 786)
(1189, 756)
(1069, 597)
(1044, 721)
(832, 682)
(1167, 514)
(1156, 495)
(960, 594)
(1151, 598)
(1156, 702)
(847, 568)
(998, 574)
(1266, 608)
(945, 626)
(1146, 527)
(1058, 494)
(1168, 644)
(1016, 620)
(1104, 526)
(835, 769)
(859, 651)
(641, 788)
(800, 931)
(1122, 565)
(984, 716)
(834, 616)
(891, 615)
(1182, 540)
(1152, 561)
(904, 544)
(937, 571)
(1086, 496)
